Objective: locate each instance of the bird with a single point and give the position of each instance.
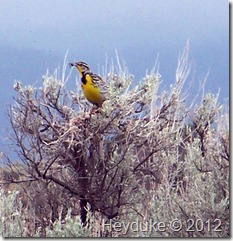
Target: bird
(94, 87)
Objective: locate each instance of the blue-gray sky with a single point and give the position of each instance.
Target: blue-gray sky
(35, 35)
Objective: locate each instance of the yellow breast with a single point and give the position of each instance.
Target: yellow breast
(91, 91)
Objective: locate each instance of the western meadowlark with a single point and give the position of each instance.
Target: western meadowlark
(94, 87)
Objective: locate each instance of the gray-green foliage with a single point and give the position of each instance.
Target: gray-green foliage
(69, 227)
(12, 218)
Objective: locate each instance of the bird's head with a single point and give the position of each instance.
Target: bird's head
(81, 67)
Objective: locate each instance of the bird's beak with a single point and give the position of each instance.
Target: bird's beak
(71, 64)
